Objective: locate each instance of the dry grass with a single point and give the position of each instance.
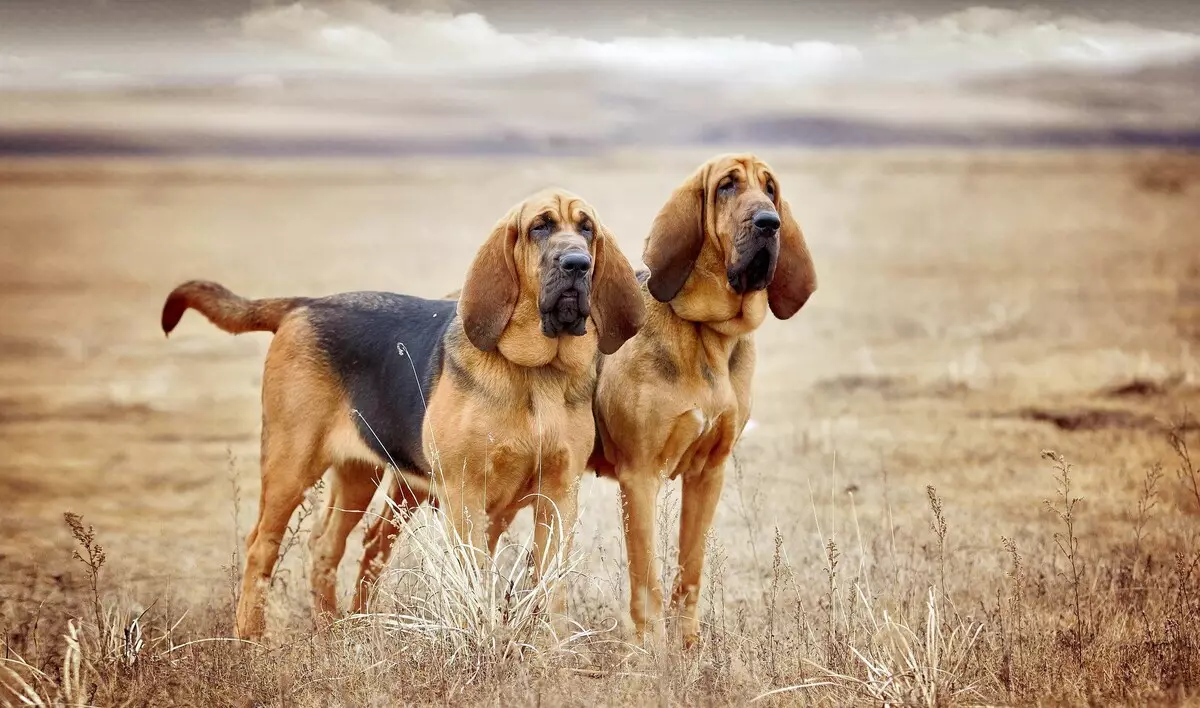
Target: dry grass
(1066, 622)
(889, 533)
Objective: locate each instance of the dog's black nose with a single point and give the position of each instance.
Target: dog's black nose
(766, 220)
(575, 263)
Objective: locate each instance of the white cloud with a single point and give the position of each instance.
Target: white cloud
(987, 37)
(24, 72)
(13, 68)
(371, 36)
(261, 81)
(315, 29)
(12, 62)
(414, 40)
(97, 79)
(435, 42)
(433, 5)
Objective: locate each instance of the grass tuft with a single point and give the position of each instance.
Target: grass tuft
(462, 606)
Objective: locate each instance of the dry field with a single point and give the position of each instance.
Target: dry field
(885, 535)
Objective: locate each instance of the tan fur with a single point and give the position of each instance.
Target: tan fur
(674, 400)
(302, 407)
(226, 310)
(565, 373)
(526, 437)
(520, 427)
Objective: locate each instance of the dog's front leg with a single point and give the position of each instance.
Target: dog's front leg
(701, 492)
(639, 500)
(467, 517)
(554, 512)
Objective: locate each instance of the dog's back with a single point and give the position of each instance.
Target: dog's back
(386, 349)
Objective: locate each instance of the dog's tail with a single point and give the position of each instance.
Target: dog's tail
(230, 312)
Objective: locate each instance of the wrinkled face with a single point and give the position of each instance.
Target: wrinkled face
(729, 221)
(548, 265)
(744, 201)
(557, 242)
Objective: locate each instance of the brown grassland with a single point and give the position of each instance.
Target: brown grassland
(972, 478)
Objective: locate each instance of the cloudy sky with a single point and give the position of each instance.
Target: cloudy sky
(411, 71)
(89, 42)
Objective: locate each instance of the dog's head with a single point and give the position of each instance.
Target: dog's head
(552, 255)
(730, 214)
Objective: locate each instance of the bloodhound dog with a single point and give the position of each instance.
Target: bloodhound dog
(674, 400)
(482, 405)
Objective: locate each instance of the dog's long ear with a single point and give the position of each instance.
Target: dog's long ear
(489, 295)
(676, 237)
(616, 300)
(795, 278)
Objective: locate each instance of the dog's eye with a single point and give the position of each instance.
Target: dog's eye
(727, 185)
(585, 228)
(770, 190)
(541, 228)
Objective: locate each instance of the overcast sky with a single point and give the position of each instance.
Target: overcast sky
(85, 42)
(777, 20)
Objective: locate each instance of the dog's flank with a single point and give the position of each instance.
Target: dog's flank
(360, 334)
(230, 312)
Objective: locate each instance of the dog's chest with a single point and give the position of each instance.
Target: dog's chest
(703, 435)
(531, 419)
(536, 449)
(542, 425)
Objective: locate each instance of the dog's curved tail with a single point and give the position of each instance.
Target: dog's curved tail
(232, 313)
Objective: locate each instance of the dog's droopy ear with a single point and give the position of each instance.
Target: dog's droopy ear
(795, 277)
(676, 237)
(617, 306)
(489, 295)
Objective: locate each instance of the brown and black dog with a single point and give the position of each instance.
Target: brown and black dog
(482, 405)
(674, 400)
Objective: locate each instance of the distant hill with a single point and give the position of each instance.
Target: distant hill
(809, 131)
(1166, 93)
(32, 143)
(800, 131)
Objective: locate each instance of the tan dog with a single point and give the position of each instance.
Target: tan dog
(674, 400)
(479, 404)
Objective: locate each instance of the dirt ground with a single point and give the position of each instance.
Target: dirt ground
(973, 310)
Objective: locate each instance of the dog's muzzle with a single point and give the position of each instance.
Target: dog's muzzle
(564, 299)
(758, 252)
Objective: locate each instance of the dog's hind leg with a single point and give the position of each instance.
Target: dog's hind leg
(284, 482)
(354, 484)
(299, 402)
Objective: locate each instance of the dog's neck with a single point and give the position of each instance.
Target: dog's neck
(524, 345)
(707, 300)
(709, 327)
(568, 375)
